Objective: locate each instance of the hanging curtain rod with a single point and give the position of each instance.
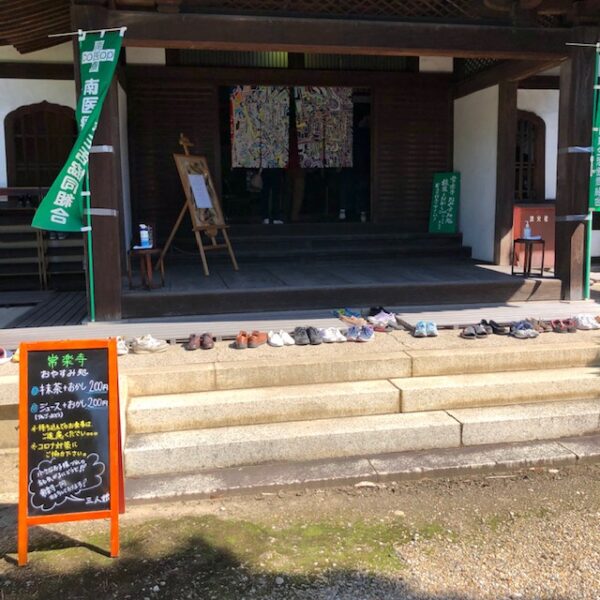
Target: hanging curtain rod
(596, 45)
(82, 33)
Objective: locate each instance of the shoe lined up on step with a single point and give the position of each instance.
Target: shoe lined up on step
(364, 333)
(380, 317)
(523, 330)
(586, 322)
(280, 338)
(122, 347)
(332, 335)
(148, 345)
(425, 329)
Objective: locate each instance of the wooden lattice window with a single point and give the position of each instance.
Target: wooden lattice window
(39, 138)
(530, 158)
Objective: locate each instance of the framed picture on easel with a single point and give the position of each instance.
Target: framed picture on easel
(203, 204)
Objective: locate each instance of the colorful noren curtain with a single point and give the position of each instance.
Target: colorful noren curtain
(260, 124)
(324, 124)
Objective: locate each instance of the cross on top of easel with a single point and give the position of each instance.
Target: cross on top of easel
(184, 142)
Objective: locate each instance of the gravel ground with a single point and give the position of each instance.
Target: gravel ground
(533, 534)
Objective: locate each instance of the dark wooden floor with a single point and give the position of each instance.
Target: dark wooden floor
(319, 283)
(48, 309)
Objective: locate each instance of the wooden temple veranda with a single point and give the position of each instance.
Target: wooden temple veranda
(496, 44)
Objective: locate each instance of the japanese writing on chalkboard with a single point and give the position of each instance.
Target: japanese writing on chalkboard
(445, 200)
(67, 431)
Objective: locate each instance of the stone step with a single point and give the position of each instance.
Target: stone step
(201, 449)
(528, 422)
(176, 412)
(284, 371)
(419, 394)
(342, 367)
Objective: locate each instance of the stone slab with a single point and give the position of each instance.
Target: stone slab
(513, 357)
(451, 462)
(197, 450)
(176, 412)
(9, 390)
(448, 462)
(492, 389)
(587, 448)
(9, 433)
(174, 379)
(527, 422)
(339, 367)
(252, 479)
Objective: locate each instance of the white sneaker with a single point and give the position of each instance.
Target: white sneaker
(122, 346)
(329, 335)
(590, 321)
(342, 215)
(277, 222)
(339, 336)
(266, 221)
(275, 340)
(581, 322)
(363, 217)
(148, 345)
(288, 340)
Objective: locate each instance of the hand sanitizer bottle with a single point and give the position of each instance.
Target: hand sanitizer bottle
(527, 231)
(144, 238)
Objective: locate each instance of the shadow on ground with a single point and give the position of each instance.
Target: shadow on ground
(232, 560)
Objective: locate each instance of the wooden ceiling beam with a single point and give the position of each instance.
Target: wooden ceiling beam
(511, 71)
(321, 35)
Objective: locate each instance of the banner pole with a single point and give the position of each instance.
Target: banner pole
(594, 169)
(90, 252)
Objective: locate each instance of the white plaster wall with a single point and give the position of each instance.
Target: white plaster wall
(126, 204)
(436, 64)
(544, 103)
(21, 92)
(63, 53)
(475, 153)
(145, 56)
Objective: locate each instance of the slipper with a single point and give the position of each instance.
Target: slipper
(5, 355)
(193, 343)
(480, 331)
(488, 328)
(570, 325)
(558, 327)
(207, 341)
(468, 333)
(498, 329)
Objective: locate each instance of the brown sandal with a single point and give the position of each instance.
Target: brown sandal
(193, 342)
(207, 341)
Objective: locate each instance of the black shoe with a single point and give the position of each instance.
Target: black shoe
(498, 329)
(300, 336)
(314, 336)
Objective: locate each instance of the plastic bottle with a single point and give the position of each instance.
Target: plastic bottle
(144, 238)
(527, 231)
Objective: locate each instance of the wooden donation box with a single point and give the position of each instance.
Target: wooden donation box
(541, 219)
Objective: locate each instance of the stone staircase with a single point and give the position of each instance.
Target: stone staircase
(190, 415)
(236, 414)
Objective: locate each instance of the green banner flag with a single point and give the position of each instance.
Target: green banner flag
(62, 207)
(595, 162)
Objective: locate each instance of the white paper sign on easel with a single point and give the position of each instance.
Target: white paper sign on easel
(201, 196)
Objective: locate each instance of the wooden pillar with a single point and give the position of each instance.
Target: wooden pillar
(505, 171)
(106, 194)
(574, 133)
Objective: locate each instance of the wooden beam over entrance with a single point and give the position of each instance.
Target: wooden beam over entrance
(511, 71)
(317, 35)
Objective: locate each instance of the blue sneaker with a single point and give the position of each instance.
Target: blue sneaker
(353, 334)
(366, 334)
(432, 330)
(420, 329)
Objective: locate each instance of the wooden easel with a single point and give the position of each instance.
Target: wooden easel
(204, 220)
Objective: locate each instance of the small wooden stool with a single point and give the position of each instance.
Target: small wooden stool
(528, 255)
(145, 255)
